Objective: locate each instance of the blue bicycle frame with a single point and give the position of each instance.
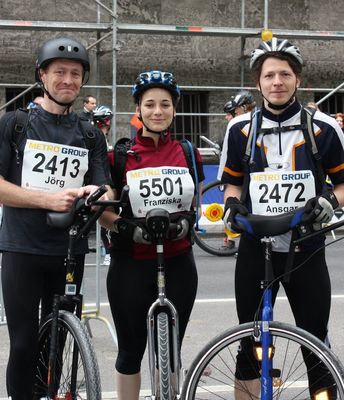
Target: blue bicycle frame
(258, 226)
(267, 316)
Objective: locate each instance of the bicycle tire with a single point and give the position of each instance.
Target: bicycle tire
(164, 360)
(73, 338)
(211, 375)
(211, 237)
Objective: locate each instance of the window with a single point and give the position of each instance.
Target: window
(22, 101)
(333, 105)
(191, 126)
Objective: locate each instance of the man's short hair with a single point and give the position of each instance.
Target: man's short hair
(87, 98)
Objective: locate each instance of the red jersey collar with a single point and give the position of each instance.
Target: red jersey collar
(148, 141)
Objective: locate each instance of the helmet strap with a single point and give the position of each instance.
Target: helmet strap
(67, 105)
(163, 132)
(279, 107)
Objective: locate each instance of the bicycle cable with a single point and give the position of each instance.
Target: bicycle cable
(278, 278)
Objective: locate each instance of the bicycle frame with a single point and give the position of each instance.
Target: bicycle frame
(267, 316)
(79, 222)
(293, 220)
(158, 224)
(73, 302)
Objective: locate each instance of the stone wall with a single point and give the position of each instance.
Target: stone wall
(195, 60)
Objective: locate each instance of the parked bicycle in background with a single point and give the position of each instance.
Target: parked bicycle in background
(210, 233)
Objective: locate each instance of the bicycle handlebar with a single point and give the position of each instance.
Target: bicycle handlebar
(83, 205)
(272, 225)
(157, 221)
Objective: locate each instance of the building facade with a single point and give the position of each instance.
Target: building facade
(205, 43)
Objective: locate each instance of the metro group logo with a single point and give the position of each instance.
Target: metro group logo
(43, 146)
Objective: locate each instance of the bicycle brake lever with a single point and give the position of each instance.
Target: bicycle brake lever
(95, 195)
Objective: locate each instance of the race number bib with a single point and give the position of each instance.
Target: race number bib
(277, 192)
(170, 188)
(51, 167)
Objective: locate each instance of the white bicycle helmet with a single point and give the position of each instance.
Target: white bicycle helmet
(276, 46)
(102, 112)
(102, 116)
(243, 98)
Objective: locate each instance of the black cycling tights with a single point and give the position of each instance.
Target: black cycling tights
(308, 292)
(28, 280)
(132, 288)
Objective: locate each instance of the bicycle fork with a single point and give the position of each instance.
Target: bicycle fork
(152, 316)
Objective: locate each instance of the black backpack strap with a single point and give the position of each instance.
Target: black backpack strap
(20, 123)
(248, 159)
(89, 133)
(121, 149)
(18, 130)
(189, 152)
(307, 114)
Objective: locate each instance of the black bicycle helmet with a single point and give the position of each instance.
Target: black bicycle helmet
(243, 98)
(61, 48)
(276, 46)
(152, 79)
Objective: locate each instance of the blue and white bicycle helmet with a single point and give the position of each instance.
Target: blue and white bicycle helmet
(276, 46)
(153, 79)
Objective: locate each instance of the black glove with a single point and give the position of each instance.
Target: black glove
(320, 209)
(232, 208)
(132, 231)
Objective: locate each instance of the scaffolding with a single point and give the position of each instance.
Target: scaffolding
(114, 28)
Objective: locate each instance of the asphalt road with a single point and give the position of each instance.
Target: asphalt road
(214, 311)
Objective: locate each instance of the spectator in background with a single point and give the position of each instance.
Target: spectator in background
(135, 125)
(311, 104)
(102, 117)
(90, 103)
(239, 104)
(340, 119)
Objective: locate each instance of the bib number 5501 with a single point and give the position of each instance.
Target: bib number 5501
(159, 186)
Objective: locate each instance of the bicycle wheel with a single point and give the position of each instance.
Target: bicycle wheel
(73, 343)
(297, 356)
(212, 237)
(164, 360)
